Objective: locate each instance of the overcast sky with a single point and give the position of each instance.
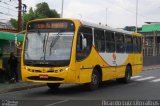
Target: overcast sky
(120, 13)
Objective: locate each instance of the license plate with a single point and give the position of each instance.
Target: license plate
(43, 76)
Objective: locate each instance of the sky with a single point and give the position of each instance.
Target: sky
(114, 13)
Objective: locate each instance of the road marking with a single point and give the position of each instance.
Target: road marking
(146, 78)
(156, 80)
(57, 103)
(135, 77)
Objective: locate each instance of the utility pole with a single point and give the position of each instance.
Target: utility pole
(106, 15)
(23, 12)
(19, 15)
(62, 9)
(136, 13)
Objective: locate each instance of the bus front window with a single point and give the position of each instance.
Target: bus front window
(48, 46)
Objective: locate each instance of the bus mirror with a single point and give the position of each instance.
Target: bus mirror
(84, 41)
(18, 44)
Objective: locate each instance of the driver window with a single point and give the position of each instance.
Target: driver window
(84, 43)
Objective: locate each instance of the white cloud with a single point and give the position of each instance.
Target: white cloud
(120, 13)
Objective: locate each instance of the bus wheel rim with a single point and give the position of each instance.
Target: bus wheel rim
(94, 79)
(128, 76)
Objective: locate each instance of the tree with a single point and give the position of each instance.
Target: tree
(14, 23)
(42, 11)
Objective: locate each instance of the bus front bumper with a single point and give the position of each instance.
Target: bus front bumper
(48, 75)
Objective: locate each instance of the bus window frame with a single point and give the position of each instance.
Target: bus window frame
(78, 32)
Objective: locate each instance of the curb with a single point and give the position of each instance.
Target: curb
(22, 88)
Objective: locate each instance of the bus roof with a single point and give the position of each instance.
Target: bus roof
(109, 28)
(105, 27)
(85, 23)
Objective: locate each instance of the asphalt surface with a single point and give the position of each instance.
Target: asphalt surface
(145, 86)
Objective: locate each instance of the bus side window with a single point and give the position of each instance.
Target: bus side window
(99, 40)
(128, 42)
(84, 43)
(110, 41)
(135, 44)
(139, 41)
(119, 38)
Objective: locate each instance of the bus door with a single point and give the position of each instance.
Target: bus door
(83, 50)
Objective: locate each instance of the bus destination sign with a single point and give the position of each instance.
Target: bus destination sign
(51, 25)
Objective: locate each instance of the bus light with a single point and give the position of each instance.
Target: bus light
(66, 69)
(25, 68)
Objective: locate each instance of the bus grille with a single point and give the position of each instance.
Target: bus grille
(47, 79)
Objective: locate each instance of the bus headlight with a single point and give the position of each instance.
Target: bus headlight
(67, 69)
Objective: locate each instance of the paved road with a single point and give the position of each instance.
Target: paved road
(145, 86)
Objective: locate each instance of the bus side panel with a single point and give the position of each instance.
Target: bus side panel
(138, 64)
(72, 76)
(85, 75)
(120, 71)
(108, 73)
(135, 60)
(87, 65)
(121, 68)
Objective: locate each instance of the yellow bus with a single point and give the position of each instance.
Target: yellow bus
(58, 51)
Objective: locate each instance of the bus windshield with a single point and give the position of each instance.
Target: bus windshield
(48, 46)
(48, 43)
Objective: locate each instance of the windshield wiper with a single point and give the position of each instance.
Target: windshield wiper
(45, 44)
(54, 41)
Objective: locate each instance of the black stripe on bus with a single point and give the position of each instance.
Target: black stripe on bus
(108, 66)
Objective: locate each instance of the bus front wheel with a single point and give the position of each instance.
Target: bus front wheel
(95, 80)
(53, 86)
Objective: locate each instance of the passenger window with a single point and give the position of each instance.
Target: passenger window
(110, 42)
(128, 41)
(135, 45)
(139, 41)
(99, 40)
(120, 47)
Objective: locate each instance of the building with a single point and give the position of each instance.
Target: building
(7, 42)
(6, 25)
(7, 45)
(151, 38)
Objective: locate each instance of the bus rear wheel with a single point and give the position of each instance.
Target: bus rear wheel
(53, 86)
(127, 77)
(95, 80)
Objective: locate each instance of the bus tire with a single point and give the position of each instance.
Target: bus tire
(53, 86)
(127, 77)
(95, 80)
